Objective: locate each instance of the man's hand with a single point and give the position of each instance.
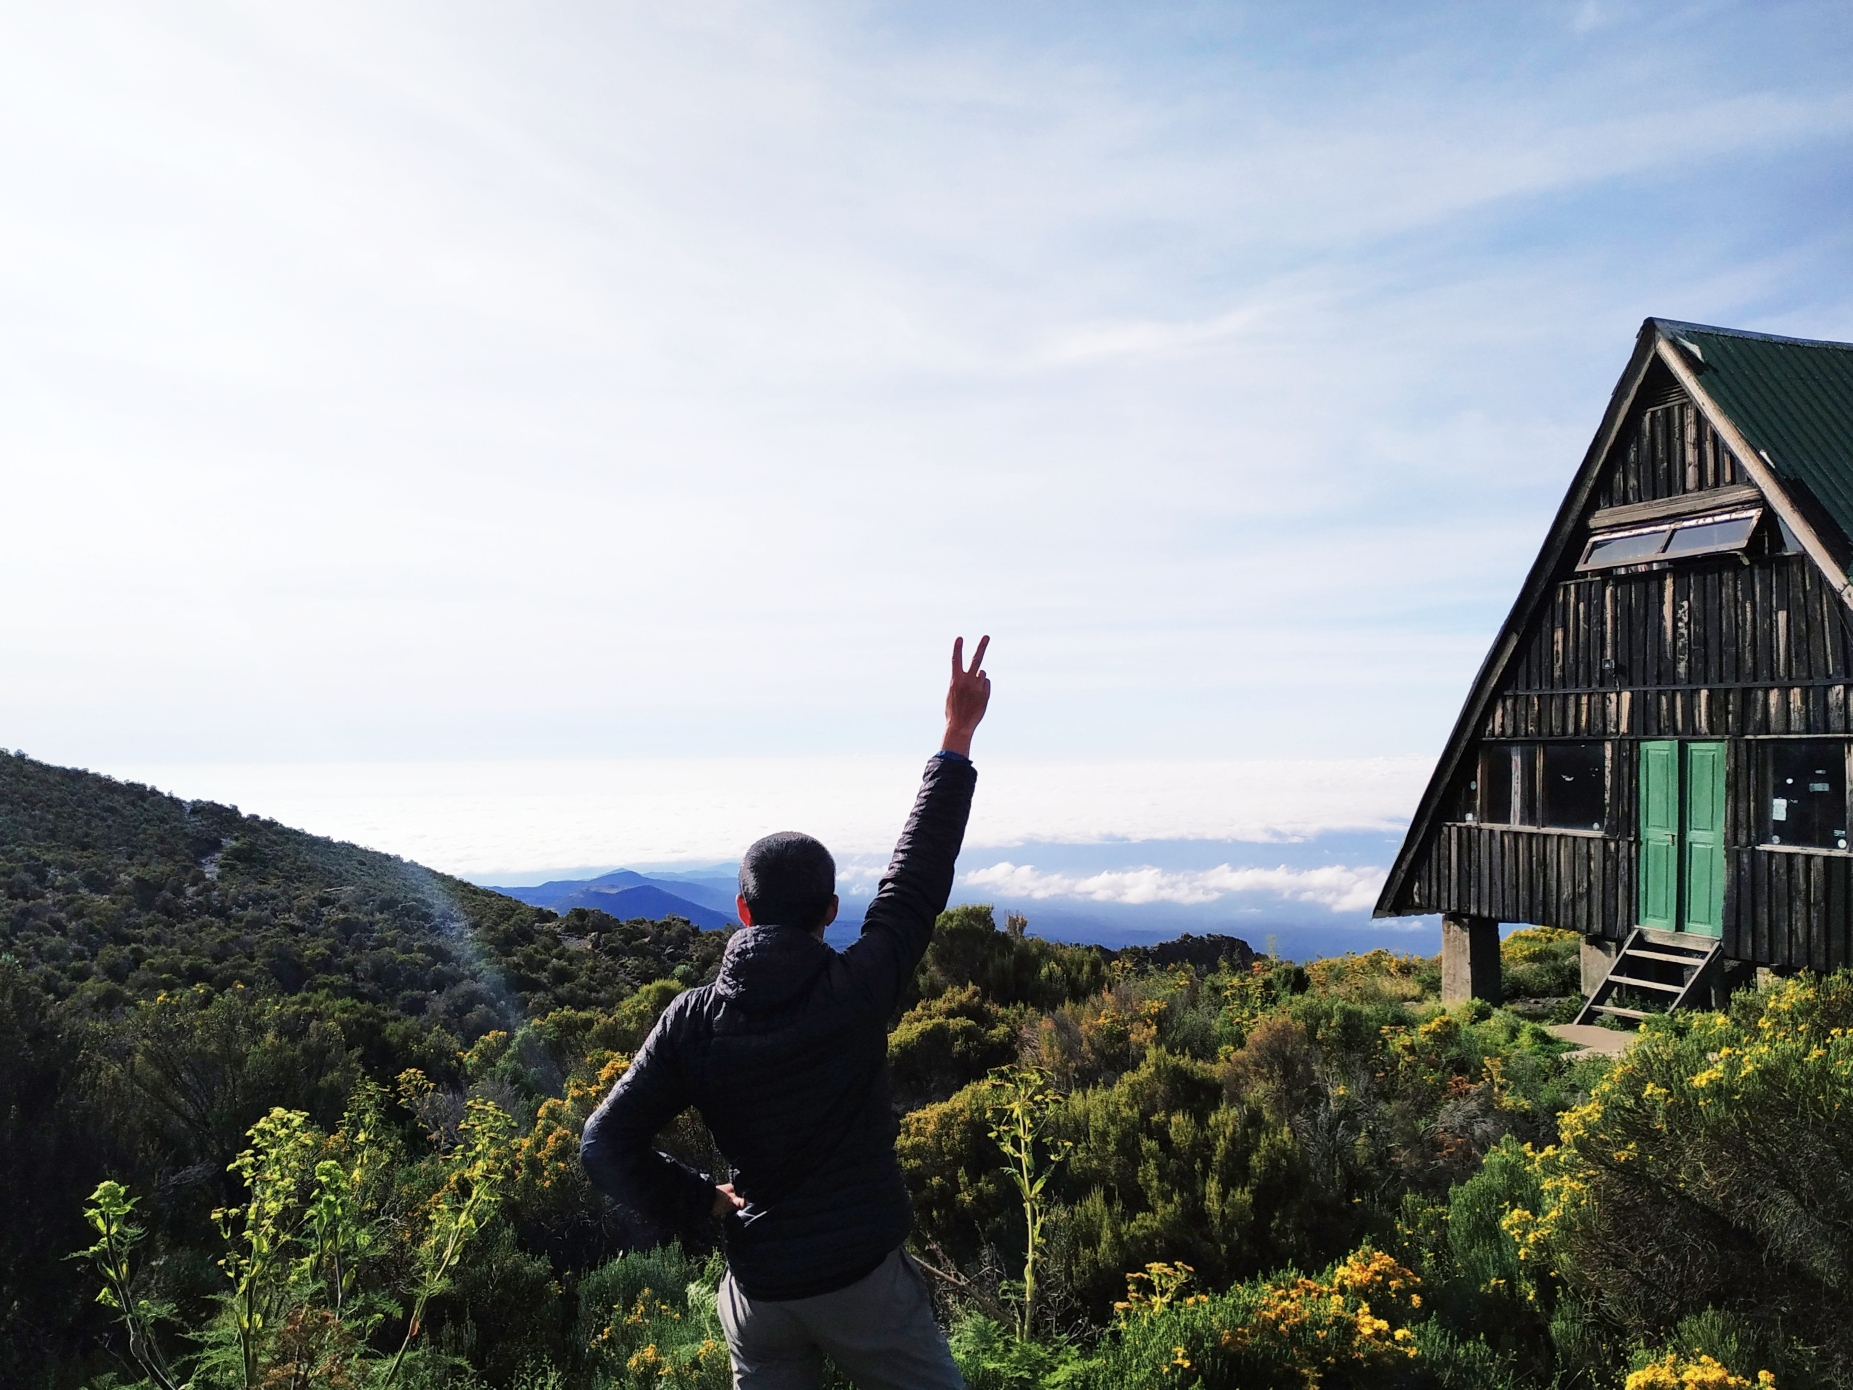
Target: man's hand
(725, 1203)
(967, 697)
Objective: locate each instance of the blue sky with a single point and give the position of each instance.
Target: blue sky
(442, 385)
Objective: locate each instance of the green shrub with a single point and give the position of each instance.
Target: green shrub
(1375, 977)
(1009, 966)
(948, 1042)
(991, 1357)
(1453, 1362)
(334, 1256)
(1541, 963)
(962, 1200)
(646, 1322)
(1475, 1281)
(502, 1313)
(1348, 1328)
(1712, 1168)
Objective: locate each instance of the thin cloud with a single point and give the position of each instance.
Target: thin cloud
(1338, 887)
(1132, 339)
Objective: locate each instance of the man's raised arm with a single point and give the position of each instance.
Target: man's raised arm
(913, 891)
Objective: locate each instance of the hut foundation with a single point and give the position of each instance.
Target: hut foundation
(1469, 959)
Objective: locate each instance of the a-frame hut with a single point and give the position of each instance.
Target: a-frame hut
(1655, 751)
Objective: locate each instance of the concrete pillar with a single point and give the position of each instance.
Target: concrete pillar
(1598, 955)
(1469, 959)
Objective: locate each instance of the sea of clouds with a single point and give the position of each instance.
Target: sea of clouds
(1340, 887)
(1110, 850)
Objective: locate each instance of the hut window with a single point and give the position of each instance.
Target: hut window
(1718, 534)
(1574, 786)
(1494, 802)
(1563, 786)
(1627, 548)
(1556, 785)
(1807, 802)
(1713, 536)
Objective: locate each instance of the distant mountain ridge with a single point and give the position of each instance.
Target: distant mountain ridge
(625, 894)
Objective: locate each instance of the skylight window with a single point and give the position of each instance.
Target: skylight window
(1712, 536)
(1718, 534)
(1631, 547)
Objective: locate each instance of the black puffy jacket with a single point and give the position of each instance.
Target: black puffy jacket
(785, 1056)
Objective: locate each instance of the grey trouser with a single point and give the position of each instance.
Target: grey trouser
(879, 1331)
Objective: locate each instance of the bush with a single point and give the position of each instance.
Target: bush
(1347, 1327)
(1736, 1346)
(1453, 1362)
(946, 1043)
(502, 1312)
(1541, 963)
(1477, 1278)
(962, 1200)
(646, 1320)
(1008, 967)
(1163, 1169)
(1675, 1372)
(1718, 1145)
(1375, 977)
(991, 1357)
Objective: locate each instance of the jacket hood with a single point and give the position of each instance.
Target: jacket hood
(765, 967)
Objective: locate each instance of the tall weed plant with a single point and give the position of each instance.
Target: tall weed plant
(331, 1259)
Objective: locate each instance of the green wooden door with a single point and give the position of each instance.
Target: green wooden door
(1704, 839)
(1659, 863)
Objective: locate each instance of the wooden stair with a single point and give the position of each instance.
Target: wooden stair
(1678, 968)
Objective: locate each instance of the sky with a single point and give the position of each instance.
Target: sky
(413, 415)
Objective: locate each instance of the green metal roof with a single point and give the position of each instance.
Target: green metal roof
(1793, 400)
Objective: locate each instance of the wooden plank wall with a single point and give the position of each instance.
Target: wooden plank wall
(1666, 452)
(1790, 909)
(1580, 881)
(1780, 909)
(1710, 649)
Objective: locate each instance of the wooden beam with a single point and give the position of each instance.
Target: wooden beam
(1686, 504)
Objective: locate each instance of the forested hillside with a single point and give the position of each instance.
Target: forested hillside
(170, 971)
(310, 1115)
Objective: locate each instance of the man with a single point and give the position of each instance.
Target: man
(785, 1056)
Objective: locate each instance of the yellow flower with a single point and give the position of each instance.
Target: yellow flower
(647, 1360)
(1673, 1372)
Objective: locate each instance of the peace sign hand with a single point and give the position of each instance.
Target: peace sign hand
(966, 698)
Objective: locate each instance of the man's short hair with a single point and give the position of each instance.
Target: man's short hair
(788, 880)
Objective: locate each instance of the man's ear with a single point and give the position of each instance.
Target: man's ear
(745, 912)
(827, 918)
